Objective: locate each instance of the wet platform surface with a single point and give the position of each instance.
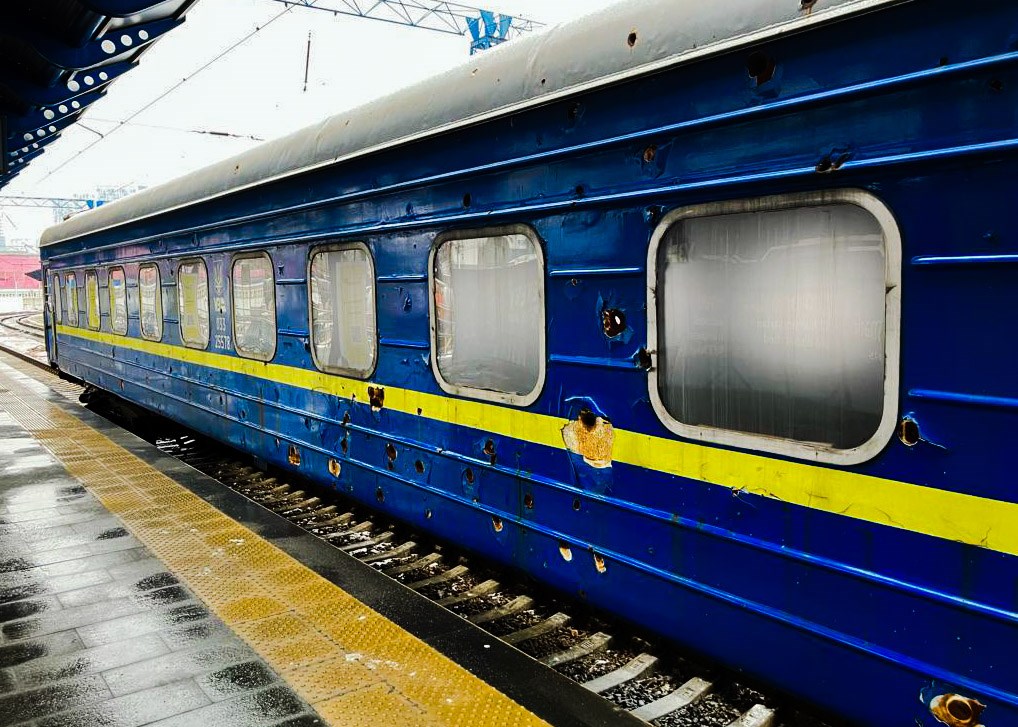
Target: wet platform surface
(135, 590)
(94, 630)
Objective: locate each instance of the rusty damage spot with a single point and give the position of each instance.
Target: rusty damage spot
(496, 522)
(380, 495)
(631, 39)
(599, 563)
(613, 322)
(591, 437)
(760, 67)
(293, 455)
(468, 474)
(344, 444)
(376, 397)
(419, 466)
(644, 360)
(956, 710)
(528, 501)
(649, 153)
(565, 552)
(390, 453)
(908, 431)
(334, 468)
(489, 449)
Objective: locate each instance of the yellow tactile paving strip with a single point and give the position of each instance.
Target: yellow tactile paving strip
(352, 664)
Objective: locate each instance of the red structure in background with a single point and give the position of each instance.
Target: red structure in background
(14, 270)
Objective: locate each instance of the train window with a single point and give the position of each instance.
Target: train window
(342, 294)
(93, 317)
(150, 302)
(193, 303)
(774, 324)
(55, 299)
(72, 299)
(487, 314)
(254, 307)
(118, 301)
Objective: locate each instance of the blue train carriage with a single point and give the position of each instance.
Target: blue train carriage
(694, 310)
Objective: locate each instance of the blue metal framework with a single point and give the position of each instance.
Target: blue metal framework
(58, 58)
(486, 28)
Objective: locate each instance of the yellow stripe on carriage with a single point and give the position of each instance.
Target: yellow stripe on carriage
(992, 524)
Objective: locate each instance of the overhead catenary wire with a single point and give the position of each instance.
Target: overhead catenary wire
(171, 89)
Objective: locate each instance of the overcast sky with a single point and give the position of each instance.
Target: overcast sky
(254, 92)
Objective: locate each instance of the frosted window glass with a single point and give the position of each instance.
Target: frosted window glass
(489, 313)
(343, 310)
(55, 299)
(193, 303)
(150, 302)
(772, 323)
(118, 301)
(92, 314)
(72, 300)
(254, 308)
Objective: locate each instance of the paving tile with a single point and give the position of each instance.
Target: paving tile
(175, 666)
(134, 710)
(83, 564)
(40, 671)
(88, 508)
(236, 679)
(54, 644)
(74, 552)
(141, 568)
(261, 709)
(305, 720)
(133, 589)
(141, 623)
(190, 635)
(36, 703)
(27, 607)
(56, 585)
(70, 618)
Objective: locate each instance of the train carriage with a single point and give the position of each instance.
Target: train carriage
(696, 311)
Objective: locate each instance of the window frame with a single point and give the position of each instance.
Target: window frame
(159, 303)
(109, 298)
(75, 319)
(233, 307)
(339, 247)
(470, 391)
(208, 304)
(88, 302)
(56, 298)
(892, 326)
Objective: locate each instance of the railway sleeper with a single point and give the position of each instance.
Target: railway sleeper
(516, 605)
(642, 666)
(481, 589)
(757, 716)
(396, 552)
(546, 626)
(369, 543)
(416, 564)
(685, 695)
(450, 575)
(360, 527)
(592, 643)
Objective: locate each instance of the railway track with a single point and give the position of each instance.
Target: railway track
(25, 322)
(646, 677)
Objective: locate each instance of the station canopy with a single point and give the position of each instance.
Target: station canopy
(58, 57)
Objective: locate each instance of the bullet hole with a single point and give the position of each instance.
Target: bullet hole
(390, 453)
(427, 514)
(346, 418)
(419, 466)
(344, 445)
(293, 455)
(643, 359)
(760, 67)
(380, 495)
(489, 449)
(599, 563)
(496, 522)
(376, 397)
(649, 153)
(631, 40)
(334, 468)
(565, 551)
(574, 282)
(466, 199)
(807, 5)
(528, 501)
(908, 431)
(576, 504)
(468, 475)
(419, 411)
(544, 81)
(613, 322)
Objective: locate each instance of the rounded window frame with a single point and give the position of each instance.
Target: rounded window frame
(892, 327)
(233, 307)
(109, 299)
(471, 392)
(361, 375)
(208, 303)
(159, 304)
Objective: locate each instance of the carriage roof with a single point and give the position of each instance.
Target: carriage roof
(585, 53)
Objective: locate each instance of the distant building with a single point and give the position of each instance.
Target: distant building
(18, 290)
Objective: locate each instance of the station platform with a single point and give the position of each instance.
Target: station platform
(135, 590)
